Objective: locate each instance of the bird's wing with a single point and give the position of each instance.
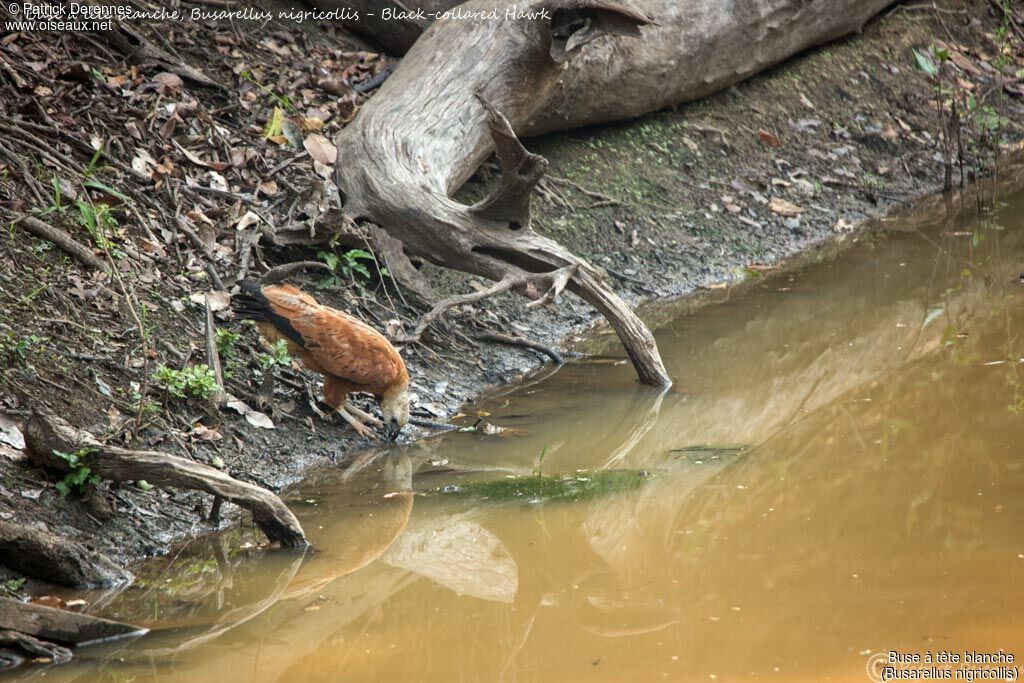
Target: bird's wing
(339, 343)
(348, 348)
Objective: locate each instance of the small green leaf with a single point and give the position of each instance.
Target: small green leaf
(96, 185)
(924, 64)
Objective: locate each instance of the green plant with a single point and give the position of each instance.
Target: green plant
(278, 355)
(197, 381)
(539, 469)
(93, 162)
(101, 224)
(81, 477)
(143, 407)
(536, 489)
(282, 101)
(352, 264)
(14, 350)
(12, 586)
(227, 341)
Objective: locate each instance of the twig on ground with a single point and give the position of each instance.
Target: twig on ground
(605, 199)
(215, 280)
(286, 270)
(555, 280)
(513, 340)
(62, 239)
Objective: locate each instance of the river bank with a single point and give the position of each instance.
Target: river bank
(677, 201)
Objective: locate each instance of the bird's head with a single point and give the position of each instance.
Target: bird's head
(395, 407)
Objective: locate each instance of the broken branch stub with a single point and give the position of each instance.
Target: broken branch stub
(444, 112)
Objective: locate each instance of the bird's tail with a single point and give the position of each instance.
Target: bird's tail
(250, 303)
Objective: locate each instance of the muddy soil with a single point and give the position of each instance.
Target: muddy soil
(701, 197)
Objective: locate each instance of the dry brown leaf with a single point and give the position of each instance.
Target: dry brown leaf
(167, 83)
(247, 219)
(218, 182)
(785, 208)
(323, 170)
(197, 216)
(143, 163)
(321, 149)
(219, 301)
(769, 138)
(252, 416)
(201, 432)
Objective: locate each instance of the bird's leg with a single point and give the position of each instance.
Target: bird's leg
(363, 415)
(361, 429)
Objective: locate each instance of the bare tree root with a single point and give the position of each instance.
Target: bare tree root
(47, 432)
(513, 340)
(401, 178)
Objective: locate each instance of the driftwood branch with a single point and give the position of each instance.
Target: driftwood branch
(558, 64)
(451, 302)
(402, 178)
(47, 432)
(509, 202)
(56, 624)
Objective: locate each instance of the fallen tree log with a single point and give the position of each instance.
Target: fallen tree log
(476, 79)
(46, 432)
(63, 626)
(688, 51)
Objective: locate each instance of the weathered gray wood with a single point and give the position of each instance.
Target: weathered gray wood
(47, 432)
(388, 181)
(43, 555)
(564, 63)
(690, 49)
(60, 625)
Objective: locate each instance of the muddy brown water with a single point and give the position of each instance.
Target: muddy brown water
(839, 474)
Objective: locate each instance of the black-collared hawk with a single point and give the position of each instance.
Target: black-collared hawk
(351, 355)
